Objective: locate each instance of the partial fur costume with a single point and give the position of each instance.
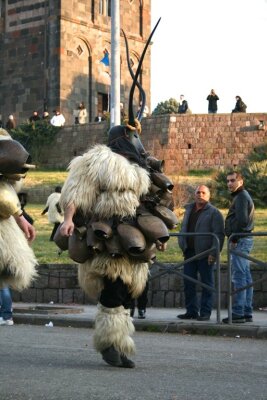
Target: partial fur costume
(106, 184)
(17, 260)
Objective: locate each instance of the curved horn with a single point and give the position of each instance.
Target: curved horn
(143, 94)
(131, 114)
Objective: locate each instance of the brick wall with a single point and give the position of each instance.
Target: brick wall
(195, 141)
(59, 283)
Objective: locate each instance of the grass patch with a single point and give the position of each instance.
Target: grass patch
(36, 178)
(45, 251)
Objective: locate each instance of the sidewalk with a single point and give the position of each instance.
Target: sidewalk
(157, 320)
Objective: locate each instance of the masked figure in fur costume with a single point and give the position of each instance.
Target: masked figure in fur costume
(17, 261)
(115, 216)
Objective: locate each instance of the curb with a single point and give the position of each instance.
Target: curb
(154, 326)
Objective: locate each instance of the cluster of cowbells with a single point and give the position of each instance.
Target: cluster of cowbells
(136, 237)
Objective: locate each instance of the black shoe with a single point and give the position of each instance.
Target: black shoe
(248, 318)
(112, 357)
(187, 316)
(126, 363)
(203, 318)
(141, 314)
(236, 319)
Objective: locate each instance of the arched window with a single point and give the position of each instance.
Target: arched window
(105, 7)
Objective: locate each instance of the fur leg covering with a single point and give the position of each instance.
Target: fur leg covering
(17, 260)
(92, 272)
(113, 326)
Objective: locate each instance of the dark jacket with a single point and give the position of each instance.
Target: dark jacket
(210, 220)
(183, 107)
(212, 99)
(240, 217)
(10, 124)
(240, 107)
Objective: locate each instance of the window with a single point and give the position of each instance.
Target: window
(105, 7)
(102, 102)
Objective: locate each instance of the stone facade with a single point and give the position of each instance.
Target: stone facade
(59, 283)
(194, 141)
(50, 52)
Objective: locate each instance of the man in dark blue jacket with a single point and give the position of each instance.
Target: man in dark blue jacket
(200, 217)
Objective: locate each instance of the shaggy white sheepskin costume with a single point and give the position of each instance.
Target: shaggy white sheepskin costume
(17, 260)
(106, 184)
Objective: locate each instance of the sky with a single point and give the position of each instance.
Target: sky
(201, 45)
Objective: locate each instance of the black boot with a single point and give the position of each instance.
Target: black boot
(132, 312)
(112, 357)
(141, 314)
(126, 363)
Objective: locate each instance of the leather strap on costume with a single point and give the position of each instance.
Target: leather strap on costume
(137, 126)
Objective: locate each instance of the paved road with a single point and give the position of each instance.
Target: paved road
(59, 363)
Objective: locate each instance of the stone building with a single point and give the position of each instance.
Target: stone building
(51, 52)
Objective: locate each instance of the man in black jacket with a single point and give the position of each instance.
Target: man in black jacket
(240, 219)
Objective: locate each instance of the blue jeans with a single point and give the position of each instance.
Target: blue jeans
(207, 276)
(241, 276)
(5, 303)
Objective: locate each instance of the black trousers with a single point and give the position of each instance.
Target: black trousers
(141, 300)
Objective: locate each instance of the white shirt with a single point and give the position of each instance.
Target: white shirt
(57, 120)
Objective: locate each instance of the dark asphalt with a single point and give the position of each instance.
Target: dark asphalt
(59, 363)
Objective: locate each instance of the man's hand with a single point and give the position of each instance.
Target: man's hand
(26, 227)
(67, 228)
